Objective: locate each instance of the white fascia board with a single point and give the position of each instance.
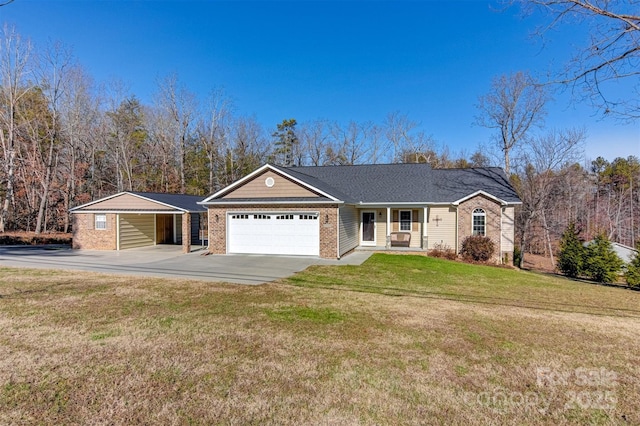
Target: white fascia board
(73, 210)
(486, 194)
(403, 204)
(229, 201)
(257, 172)
(131, 211)
(97, 201)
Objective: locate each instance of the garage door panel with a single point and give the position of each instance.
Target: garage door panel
(268, 233)
(136, 231)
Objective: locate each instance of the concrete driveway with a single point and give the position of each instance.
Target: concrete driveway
(169, 262)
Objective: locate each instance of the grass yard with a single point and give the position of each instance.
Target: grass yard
(399, 340)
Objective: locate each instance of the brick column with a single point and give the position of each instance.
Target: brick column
(186, 232)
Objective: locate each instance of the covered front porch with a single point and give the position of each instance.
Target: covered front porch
(387, 227)
(409, 227)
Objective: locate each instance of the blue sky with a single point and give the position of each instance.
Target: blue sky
(339, 61)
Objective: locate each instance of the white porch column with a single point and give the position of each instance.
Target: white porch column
(425, 234)
(388, 242)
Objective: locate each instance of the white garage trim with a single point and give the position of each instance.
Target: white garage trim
(273, 232)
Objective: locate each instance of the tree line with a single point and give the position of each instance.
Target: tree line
(67, 140)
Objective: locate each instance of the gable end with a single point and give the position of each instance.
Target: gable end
(269, 184)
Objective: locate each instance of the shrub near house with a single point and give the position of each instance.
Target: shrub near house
(477, 248)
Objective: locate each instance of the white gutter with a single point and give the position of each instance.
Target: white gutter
(283, 202)
(133, 211)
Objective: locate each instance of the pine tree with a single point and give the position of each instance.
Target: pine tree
(286, 143)
(632, 275)
(601, 263)
(572, 252)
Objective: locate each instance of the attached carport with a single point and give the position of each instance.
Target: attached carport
(139, 219)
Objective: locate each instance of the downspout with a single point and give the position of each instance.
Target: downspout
(501, 233)
(337, 233)
(457, 223)
(208, 231)
(117, 231)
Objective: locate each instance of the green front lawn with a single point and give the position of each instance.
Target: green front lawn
(420, 276)
(398, 340)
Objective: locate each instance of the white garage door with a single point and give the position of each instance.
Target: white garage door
(274, 233)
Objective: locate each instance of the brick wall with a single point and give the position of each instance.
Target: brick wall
(186, 232)
(328, 218)
(86, 237)
(493, 213)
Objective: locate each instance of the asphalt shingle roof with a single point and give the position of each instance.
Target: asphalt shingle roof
(181, 201)
(404, 183)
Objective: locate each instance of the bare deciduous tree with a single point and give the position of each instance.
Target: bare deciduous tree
(181, 107)
(79, 114)
(513, 106)
(314, 138)
(52, 74)
(398, 128)
(14, 69)
(610, 52)
(546, 156)
(213, 134)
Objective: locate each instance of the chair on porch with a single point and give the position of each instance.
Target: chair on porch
(400, 239)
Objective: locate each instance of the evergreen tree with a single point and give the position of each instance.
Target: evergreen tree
(601, 263)
(632, 275)
(286, 143)
(572, 252)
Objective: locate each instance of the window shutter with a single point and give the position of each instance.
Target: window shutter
(395, 223)
(414, 220)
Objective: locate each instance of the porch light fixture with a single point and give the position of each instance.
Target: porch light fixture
(326, 218)
(217, 218)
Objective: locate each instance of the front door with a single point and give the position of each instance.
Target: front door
(368, 237)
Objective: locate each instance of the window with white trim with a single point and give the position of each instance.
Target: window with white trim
(261, 216)
(240, 216)
(308, 217)
(284, 217)
(479, 226)
(100, 222)
(405, 220)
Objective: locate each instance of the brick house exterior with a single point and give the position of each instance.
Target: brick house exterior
(328, 223)
(493, 216)
(86, 237)
(364, 205)
(137, 219)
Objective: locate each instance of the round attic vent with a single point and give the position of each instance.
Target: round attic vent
(269, 182)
